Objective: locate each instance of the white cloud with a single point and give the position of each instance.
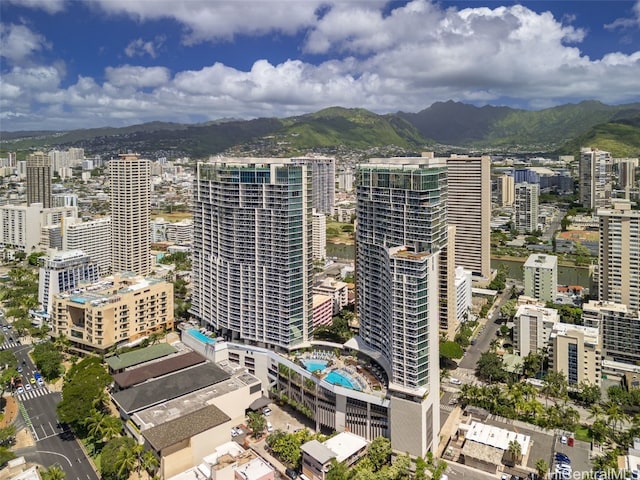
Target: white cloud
(139, 48)
(18, 42)
(404, 59)
(49, 6)
(627, 22)
(139, 77)
(212, 20)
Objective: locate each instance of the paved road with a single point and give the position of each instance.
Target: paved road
(483, 339)
(53, 445)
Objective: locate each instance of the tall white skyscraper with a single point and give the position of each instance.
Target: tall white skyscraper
(252, 250)
(93, 237)
(595, 178)
(619, 259)
(526, 209)
(402, 229)
(319, 236)
(130, 182)
(324, 182)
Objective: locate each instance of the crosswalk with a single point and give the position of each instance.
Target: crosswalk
(8, 344)
(33, 393)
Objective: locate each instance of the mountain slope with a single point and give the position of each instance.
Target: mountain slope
(620, 137)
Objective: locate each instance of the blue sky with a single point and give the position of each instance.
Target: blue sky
(76, 64)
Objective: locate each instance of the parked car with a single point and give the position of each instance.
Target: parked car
(563, 440)
(269, 427)
(27, 387)
(20, 389)
(40, 382)
(561, 457)
(455, 381)
(291, 473)
(266, 411)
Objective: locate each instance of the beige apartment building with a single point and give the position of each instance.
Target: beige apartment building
(115, 311)
(532, 327)
(619, 259)
(575, 351)
(469, 210)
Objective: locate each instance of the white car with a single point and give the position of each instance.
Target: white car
(27, 387)
(266, 411)
(269, 427)
(455, 381)
(563, 440)
(20, 390)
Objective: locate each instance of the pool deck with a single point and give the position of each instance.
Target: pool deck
(348, 367)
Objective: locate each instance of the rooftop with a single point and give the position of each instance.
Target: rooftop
(157, 369)
(169, 387)
(539, 260)
(254, 469)
(345, 444)
(579, 235)
(185, 427)
(318, 451)
(496, 437)
(591, 334)
(184, 404)
(141, 355)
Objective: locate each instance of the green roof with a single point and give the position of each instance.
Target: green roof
(141, 355)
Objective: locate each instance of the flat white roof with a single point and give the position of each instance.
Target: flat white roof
(497, 437)
(541, 260)
(345, 444)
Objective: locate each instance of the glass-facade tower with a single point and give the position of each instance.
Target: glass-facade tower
(402, 227)
(252, 250)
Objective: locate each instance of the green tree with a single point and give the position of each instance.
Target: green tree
(112, 461)
(22, 325)
(531, 364)
(514, 450)
(84, 382)
(555, 385)
(337, 471)
(542, 467)
(257, 423)
(33, 258)
(48, 360)
(491, 368)
(508, 309)
(5, 456)
(587, 393)
(54, 472)
(379, 452)
(111, 427)
(149, 462)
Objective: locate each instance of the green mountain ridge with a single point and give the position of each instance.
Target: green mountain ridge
(444, 126)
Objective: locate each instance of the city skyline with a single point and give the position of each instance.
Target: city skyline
(190, 61)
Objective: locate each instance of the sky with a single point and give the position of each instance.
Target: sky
(68, 64)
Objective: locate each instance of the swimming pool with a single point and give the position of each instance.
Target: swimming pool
(337, 378)
(197, 334)
(315, 365)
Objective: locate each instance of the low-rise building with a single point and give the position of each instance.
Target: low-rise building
(575, 351)
(116, 311)
(566, 242)
(336, 289)
(322, 310)
(346, 448)
(532, 328)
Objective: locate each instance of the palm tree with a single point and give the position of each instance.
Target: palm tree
(149, 461)
(542, 467)
(126, 460)
(596, 412)
(111, 427)
(614, 414)
(515, 451)
(54, 472)
(95, 424)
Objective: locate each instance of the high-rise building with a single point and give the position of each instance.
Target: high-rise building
(626, 178)
(252, 250)
(541, 277)
(130, 183)
(506, 187)
(526, 207)
(575, 351)
(21, 226)
(39, 179)
(532, 326)
(469, 210)
(595, 179)
(324, 182)
(402, 228)
(619, 329)
(61, 271)
(319, 236)
(619, 258)
(93, 238)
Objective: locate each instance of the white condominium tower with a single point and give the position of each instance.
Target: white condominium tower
(130, 182)
(595, 178)
(526, 207)
(252, 250)
(402, 228)
(619, 258)
(324, 182)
